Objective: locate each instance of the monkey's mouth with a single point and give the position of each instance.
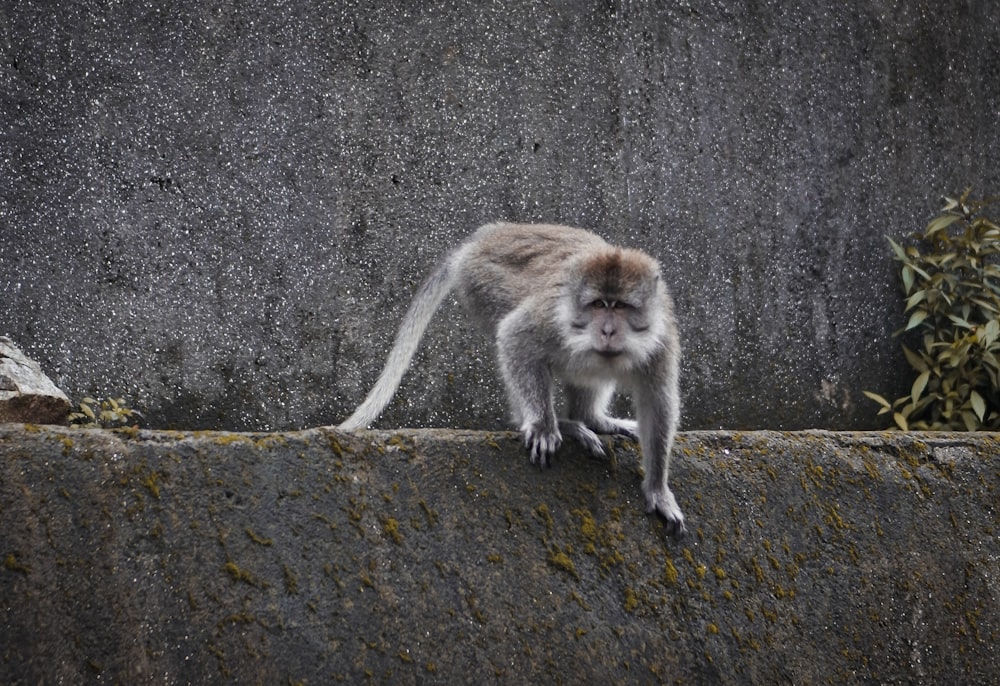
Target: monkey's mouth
(609, 354)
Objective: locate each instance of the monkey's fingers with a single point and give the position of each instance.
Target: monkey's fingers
(541, 444)
(675, 528)
(666, 508)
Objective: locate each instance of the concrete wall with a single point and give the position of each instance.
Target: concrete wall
(444, 557)
(219, 210)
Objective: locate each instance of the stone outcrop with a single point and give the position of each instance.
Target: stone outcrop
(443, 557)
(26, 394)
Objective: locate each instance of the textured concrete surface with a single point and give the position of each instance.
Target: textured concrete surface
(443, 557)
(219, 210)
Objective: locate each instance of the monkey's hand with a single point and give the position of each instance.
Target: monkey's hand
(663, 503)
(541, 441)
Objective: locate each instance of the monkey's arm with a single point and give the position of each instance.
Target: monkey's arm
(657, 408)
(528, 379)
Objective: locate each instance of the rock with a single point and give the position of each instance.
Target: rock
(26, 394)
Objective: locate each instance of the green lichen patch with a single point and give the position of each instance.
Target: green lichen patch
(230, 439)
(390, 529)
(236, 573)
(151, 482)
(631, 601)
(561, 560)
(258, 539)
(13, 564)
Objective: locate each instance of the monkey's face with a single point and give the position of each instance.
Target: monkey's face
(612, 310)
(612, 328)
(610, 325)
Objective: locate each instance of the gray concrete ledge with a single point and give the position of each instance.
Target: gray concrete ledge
(443, 557)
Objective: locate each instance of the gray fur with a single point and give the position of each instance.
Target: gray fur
(564, 304)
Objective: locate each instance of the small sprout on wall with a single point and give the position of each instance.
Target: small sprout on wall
(951, 281)
(105, 413)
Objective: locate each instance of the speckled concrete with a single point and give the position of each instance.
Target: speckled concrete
(219, 210)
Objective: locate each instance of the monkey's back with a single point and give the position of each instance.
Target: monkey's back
(503, 265)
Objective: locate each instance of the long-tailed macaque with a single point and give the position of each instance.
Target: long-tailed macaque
(563, 304)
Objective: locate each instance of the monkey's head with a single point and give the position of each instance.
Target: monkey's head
(614, 307)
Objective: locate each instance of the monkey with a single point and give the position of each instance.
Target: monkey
(562, 304)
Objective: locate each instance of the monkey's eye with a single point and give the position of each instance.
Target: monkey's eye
(620, 305)
(611, 305)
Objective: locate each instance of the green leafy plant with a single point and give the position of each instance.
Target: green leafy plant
(951, 280)
(106, 413)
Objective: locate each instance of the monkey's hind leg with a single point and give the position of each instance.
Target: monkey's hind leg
(589, 406)
(578, 430)
(618, 427)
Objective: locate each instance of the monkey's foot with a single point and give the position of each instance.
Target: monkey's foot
(665, 506)
(622, 427)
(611, 426)
(582, 433)
(541, 442)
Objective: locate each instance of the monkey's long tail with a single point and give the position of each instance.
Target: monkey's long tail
(424, 304)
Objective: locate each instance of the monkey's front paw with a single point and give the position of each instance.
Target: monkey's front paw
(541, 443)
(665, 506)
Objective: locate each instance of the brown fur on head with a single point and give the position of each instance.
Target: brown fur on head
(618, 271)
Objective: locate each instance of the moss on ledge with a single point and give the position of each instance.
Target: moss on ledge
(441, 556)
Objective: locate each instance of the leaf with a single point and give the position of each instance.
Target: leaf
(886, 405)
(919, 385)
(940, 223)
(915, 300)
(898, 249)
(978, 405)
(907, 276)
(924, 402)
(987, 308)
(970, 421)
(958, 321)
(900, 421)
(89, 401)
(915, 360)
(87, 411)
(992, 331)
(920, 272)
(916, 318)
